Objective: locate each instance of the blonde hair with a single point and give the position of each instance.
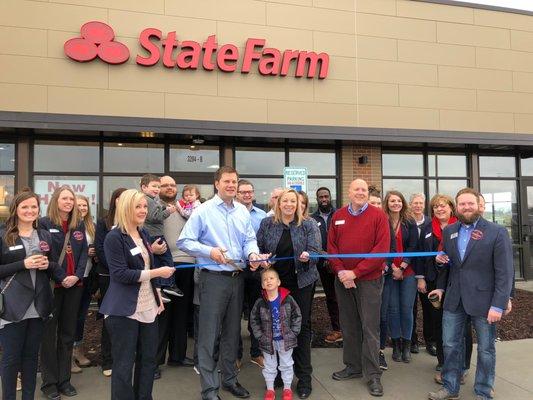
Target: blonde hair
(127, 202)
(441, 198)
(52, 212)
(298, 217)
(88, 219)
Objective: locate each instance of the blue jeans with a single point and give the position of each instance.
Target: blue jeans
(384, 313)
(163, 260)
(402, 298)
(453, 326)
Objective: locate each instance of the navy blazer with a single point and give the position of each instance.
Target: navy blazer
(125, 271)
(323, 227)
(427, 266)
(484, 277)
(21, 291)
(409, 239)
(78, 243)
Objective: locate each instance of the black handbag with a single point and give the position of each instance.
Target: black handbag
(2, 294)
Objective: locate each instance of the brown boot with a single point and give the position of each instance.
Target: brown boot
(77, 354)
(74, 368)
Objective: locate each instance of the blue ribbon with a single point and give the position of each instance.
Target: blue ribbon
(316, 255)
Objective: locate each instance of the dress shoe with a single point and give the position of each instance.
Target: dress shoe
(345, 374)
(51, 393)
(303, 392)
(186, 362)
(396, 350)
(74, 368)
(442, 394)
(259, 361)
(414, 348)
(237, 390)
(333, 337)
(382, 361)
(406, 351)
(431, 349)
(157, 374)
(68, 390)
(79, 356)
(374, 387)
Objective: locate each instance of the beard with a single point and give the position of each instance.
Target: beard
(468, 220)
(325, 208)
(167, 199)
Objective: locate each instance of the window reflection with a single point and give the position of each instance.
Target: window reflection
(497, 166)
(7, 156)
(142, 158)
(259, 161)
(500, 204)
(62, 157)
(406, 186)
(317, 162)
(197, 159)
(447, 165)
(446, 186)
(403, 164)
(114, 182)
(7, 190)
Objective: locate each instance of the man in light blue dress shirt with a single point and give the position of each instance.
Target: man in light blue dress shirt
(220, 232)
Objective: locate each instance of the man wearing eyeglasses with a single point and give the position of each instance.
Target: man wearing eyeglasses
(252, 284)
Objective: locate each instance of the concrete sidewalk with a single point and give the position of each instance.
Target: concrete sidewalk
(401, 381)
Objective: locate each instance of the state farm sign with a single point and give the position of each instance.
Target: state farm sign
(98, 41)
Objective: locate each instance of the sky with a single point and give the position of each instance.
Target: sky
(518, 4)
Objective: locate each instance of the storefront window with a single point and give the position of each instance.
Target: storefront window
(45, 186)
(447, 165)
(263, 187)
(206, 190)
(129, 157)
(527, 166)
(259, 161)
(405, 186)
(312, 186)
(194, 159)
(66, 158)
(7, 157)
(316, 162)
(446, 186)
(7, 190)
(490, 166)
(403, 164)
(114, 182)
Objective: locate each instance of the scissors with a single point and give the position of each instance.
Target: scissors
(234, 263)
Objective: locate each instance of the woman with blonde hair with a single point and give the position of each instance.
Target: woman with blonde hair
(132, 302)
(288, 234)
(69, 247)
(88, 285)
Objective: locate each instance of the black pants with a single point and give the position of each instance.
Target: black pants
(134, 344)
(20, 342)
(85, 302)
(105, 340)
(221, 299)
(427, 314)
(58, 338)
(328, 284)
(252, 291)
(359, 311)
(174, 320)
(302, 353)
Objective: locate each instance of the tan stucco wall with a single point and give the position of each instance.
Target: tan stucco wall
(394, 63)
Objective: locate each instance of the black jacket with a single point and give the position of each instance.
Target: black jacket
(99, 237)
(21, 292)
(323, 226)
(78, 243)
(427, 266)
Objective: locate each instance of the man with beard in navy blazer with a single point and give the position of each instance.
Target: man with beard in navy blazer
(477, 277)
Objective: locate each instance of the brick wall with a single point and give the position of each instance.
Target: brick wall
(352, 169)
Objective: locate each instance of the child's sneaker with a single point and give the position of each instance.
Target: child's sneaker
(287, 394)
(165, 298)
(173, 291)
(269, 395)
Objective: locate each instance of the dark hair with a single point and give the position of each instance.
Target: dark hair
(110, 216)
(11, 226)
(467, 190)
(225, 170)
(243, 182)
(147, 178)
(374, 191)
(405, 214)
(323, 188)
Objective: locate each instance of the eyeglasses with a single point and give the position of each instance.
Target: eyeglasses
(246, 192)
(168, 185)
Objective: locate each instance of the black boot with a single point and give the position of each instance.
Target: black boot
(406, 351)
(396, 350)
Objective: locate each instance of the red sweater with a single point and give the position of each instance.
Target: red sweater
(368, 232)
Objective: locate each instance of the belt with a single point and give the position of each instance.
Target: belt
(224, 273)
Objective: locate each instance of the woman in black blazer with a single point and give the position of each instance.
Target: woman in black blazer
(63, 222)
(26, 265)
(132, 301)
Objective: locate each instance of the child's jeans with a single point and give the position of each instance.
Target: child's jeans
(163, 260)
(285, 366)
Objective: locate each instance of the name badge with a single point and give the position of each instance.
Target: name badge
(320, 223)
(428, 235)
(53, 230)
(454, 235)
(17, 247)
(340, 222)
(135, 251)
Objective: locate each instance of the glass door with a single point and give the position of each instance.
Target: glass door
(527, 227)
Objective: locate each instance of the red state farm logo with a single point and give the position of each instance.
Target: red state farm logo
(96, 41)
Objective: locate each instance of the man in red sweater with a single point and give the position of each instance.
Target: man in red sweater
(358, 228)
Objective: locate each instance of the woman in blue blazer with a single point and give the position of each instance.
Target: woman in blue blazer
(132, 302)
(69, 247)
(26, 265)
